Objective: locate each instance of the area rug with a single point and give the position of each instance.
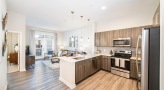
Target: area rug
(50, 65)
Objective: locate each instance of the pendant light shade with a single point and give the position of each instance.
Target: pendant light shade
(88, 29)
(81, 39)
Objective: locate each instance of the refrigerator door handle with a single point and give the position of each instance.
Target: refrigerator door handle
(139, 38)
(145, 58)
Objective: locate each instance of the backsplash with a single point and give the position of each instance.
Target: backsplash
(106, 50)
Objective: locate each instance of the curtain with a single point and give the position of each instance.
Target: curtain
(55, 43)
(32, 42)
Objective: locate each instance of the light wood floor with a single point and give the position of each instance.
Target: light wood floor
(103, 80)
(44, 78)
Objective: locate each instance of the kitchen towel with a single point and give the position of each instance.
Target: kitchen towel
(122, 63)
(117, 62)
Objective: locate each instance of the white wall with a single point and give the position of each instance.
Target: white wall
(85, 33)
(162, 45)
(124, 22)
(3, 59)
(17, 23)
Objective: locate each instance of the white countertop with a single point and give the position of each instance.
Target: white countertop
(84, 57)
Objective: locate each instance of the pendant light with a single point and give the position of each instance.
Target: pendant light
(81, 39)
(72, 39)
(88, 29)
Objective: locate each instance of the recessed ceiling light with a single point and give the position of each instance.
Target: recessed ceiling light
(103, 7)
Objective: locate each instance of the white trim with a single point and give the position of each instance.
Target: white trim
(71, 86)
(21, 67)
(22, 70)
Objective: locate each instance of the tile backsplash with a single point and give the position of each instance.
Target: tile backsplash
(106, 50)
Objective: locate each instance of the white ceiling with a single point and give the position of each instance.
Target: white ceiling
(56, 14)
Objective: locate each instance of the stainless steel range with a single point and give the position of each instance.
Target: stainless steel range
(120, 63)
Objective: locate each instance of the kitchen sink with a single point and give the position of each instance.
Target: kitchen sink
(78, 58)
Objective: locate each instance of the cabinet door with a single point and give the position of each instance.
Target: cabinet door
(106, 63)
(125, 33)
(82, 70)
(94, 65)
(135, 33)
(87, 68)
(78, 72)
(103, 64)
(133, 69)
(116, 34)
(109, 63)
(98, 63)
(97, 39)
(103, 39)
(110, 38)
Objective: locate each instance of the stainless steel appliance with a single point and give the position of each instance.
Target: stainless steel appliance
(120, 63)
(150, 63)
(122, 42)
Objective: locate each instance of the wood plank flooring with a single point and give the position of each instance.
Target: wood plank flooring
(44, 78)
(39, 78)
(103, 80)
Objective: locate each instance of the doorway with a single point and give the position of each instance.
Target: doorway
(13, 55)
(44, 42)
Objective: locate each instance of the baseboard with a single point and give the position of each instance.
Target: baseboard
(22, 70)
(71, 86)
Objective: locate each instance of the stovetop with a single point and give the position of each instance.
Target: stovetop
(123, 54)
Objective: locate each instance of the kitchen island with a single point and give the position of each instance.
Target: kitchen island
(75, 69)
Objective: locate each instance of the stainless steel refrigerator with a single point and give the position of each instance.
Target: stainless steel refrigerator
(150, 63)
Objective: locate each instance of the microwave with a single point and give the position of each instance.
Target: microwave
(126, 42)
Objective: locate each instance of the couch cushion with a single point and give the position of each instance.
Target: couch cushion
(50, 52)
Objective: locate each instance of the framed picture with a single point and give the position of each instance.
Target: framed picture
(4, 22)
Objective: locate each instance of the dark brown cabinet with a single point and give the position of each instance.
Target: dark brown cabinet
(82, 70)
(133, 69)
(105, 39)
(96, 64)
(97, 39)
(106, 63)
(13, 58)
(30, 60)
(110, 38)
(87, 67)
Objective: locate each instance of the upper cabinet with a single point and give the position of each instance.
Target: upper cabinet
(134, 37)
(97, 39)
(105, 39)
(110, 38)
(126, 33)
(123, 33)
(116, 34)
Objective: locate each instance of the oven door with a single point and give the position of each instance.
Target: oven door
(125, 64)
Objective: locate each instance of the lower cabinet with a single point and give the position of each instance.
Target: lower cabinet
(106, 63)
(87, 67)
(133, 69)
(96, 64)
(82, 70)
